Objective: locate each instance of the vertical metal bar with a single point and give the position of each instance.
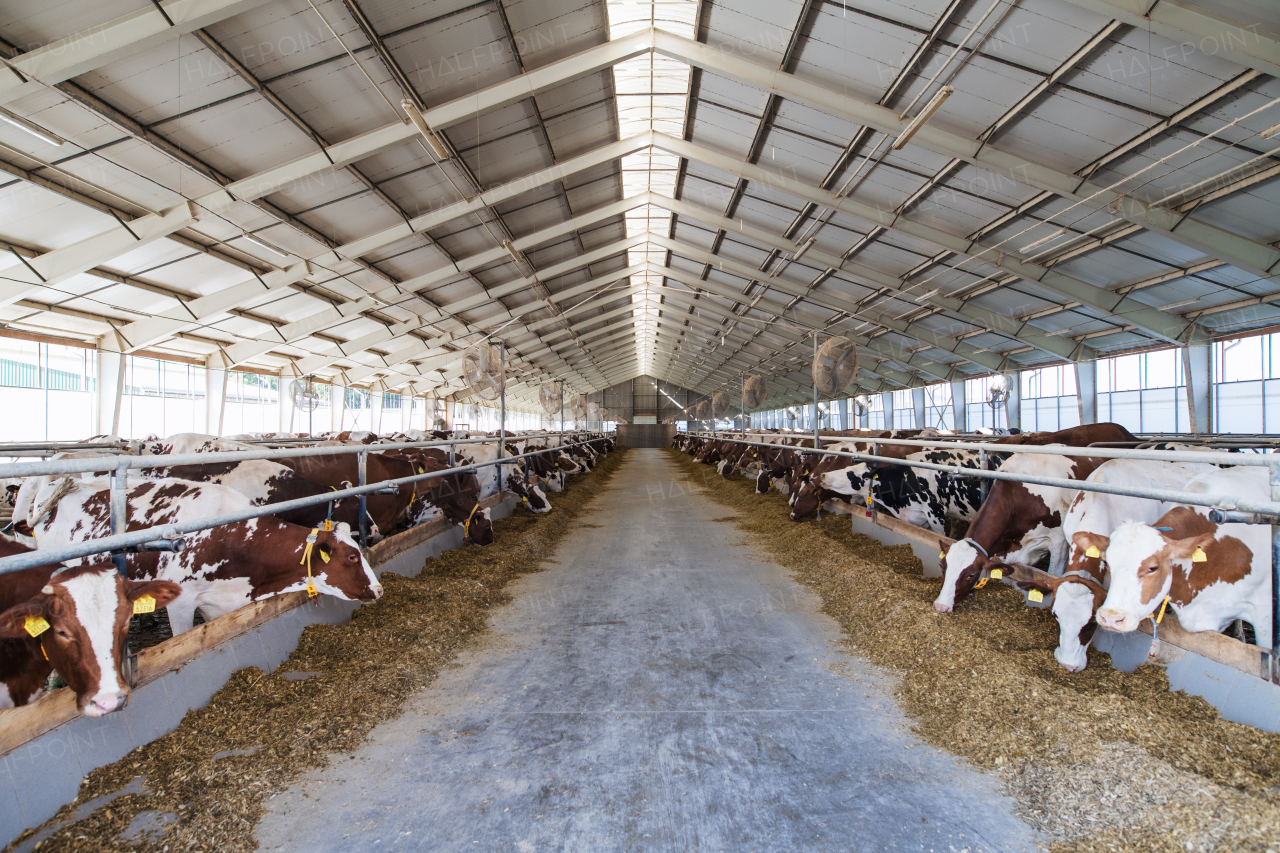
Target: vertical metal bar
(120, 510)
(502, 422)
(982, 463)
(744, 405)
(817, 441)
(1275, 580)
(361, 463)
(871, 487)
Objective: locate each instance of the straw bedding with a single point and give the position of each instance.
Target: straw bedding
(1097, 760)
(261, 731)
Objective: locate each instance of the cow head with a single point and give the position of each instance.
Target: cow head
(86, 611)
(1075, 601)
(478, 528)
(1140, 559)
(962, 564)
(805, 501)
(339, 568)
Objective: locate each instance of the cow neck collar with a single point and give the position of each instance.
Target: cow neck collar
(466, 525)
(976, 545)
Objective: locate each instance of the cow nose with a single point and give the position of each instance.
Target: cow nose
(941, 608)
(376, 589)
(1111, 619)
(101, 705)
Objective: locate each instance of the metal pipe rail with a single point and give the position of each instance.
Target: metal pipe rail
(103, 463)
(1262, 461)
(119, 541)
(1223, 502)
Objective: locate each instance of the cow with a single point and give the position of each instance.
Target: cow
(191, 442)
(1017, 523)
(223, 568)
(454, 496)
(1210, 574)
(1087, 530)
(341, 471)
(1020, 522)
(74, 620)
(920, 496)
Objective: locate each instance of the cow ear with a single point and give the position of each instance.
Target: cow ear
(162, 591)
(1181, 549)
(1092, 544)
(342, 527)
(13, 622)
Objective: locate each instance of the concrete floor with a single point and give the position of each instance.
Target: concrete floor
(658, 688)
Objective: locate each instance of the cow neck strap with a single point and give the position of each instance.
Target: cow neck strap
(1156, 619)
(312, 592)
(466, 525)
(976, 545)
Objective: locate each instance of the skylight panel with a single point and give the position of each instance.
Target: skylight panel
(652, 95)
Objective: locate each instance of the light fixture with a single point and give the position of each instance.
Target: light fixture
(1270, 132)
(264, 245)
(1054, 236)
(1178, 304)
(511, 250)
(939, 98)
(33, 129)
(419, 122)
(932, 293)
(808, 244)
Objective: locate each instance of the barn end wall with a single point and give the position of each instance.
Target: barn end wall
(42, 775)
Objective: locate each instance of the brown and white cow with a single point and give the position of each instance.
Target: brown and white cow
(74, 620)
(1212, 573)
(221, 569)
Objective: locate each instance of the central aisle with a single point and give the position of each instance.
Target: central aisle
(659, 687)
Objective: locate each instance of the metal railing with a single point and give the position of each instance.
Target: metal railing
(1225, 509)
(117, 466)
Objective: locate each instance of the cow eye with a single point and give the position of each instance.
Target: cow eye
(63, 634)
(1149, 570)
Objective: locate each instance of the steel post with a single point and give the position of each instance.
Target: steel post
(502, 416)
(1275, 579)
(362, 460)
(817, 441)
(120, 510)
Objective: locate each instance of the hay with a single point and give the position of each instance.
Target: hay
(261, 731)
(1098, 760)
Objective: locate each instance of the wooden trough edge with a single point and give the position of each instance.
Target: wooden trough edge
(21, 725)
(1227, 651)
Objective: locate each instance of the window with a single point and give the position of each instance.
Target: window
(875, 411)
(51, 387)
(161, 398)
(1049, 399)
(978, 413)
(252, 403)
(904, 409)
(938, 412)
(318, 419)
(1144, 392)
(1246, 389)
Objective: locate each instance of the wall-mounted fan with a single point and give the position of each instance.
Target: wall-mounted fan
(753, 392)
(578, 408)
(720, 404)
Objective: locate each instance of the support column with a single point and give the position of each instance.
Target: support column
(376, 399)
(843, 411)
(1087, 391)
(1196, 368)
(1013, 405)
(110, 388)
(958, 405)
(338, 411)
(917, 402)
(215, 393)
(886, 402)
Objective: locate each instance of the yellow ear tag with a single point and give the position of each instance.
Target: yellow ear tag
(421, 470)
(324, 556)
(311, 589)
(996, 574)
(36, 625)
(1198, 556)
(144, 604)
(1093, 551)
(942, 555)
(1035, 595)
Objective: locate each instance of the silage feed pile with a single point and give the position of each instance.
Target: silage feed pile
(1099, 760)
(203, 786)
